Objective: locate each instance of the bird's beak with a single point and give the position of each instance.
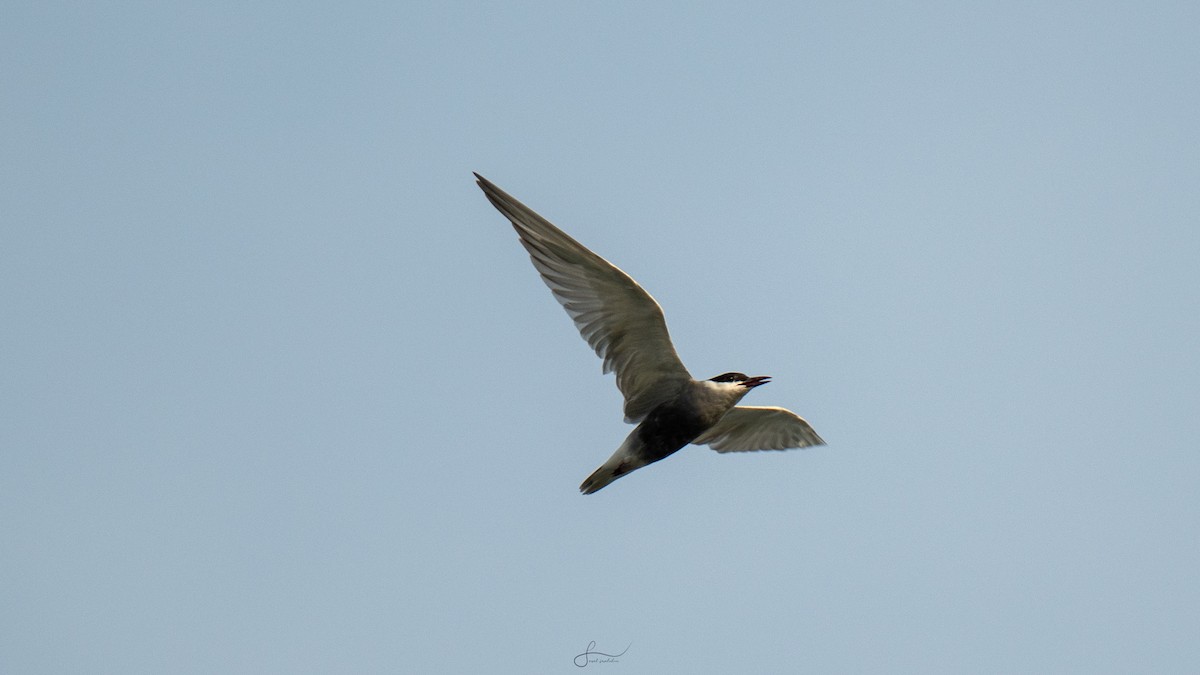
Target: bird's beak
(756, 381)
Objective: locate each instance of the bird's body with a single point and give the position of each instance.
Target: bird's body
(669, 426)
(627, 329)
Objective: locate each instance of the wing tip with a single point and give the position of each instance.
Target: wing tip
(489, 188)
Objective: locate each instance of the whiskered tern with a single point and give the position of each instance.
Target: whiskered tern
(626, 328)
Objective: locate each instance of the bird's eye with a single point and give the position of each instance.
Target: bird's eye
(730, 377)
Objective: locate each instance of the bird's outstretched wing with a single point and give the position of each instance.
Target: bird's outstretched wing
(746, 428)
(616, 316)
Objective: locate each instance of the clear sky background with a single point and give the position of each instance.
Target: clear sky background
(281, 392)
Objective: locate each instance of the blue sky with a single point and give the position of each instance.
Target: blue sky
(283, 393)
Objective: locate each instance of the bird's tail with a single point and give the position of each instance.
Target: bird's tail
(622, 462)
(601, 477)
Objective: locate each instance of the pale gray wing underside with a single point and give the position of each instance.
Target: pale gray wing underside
(746, 428)
(616, 316)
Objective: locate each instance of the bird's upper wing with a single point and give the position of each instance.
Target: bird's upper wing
(616, 316)
(747, 428)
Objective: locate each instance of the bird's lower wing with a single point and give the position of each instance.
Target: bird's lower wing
(746, 428)
(613, 313)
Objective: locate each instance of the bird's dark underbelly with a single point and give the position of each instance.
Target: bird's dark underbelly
(667, 429)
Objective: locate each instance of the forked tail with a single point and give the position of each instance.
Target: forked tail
(622, 462)
(601, 477)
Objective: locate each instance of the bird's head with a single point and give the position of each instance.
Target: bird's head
(741, 380)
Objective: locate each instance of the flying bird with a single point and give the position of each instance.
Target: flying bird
(626, 328)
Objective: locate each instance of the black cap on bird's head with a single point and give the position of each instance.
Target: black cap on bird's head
(742, 379)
